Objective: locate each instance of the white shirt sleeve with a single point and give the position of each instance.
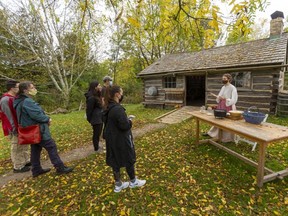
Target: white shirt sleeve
(234, 97)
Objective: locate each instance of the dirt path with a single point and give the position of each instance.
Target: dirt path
(75, 154)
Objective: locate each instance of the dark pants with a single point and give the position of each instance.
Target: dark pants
(51, 148)
(129, 169)
(97, 129)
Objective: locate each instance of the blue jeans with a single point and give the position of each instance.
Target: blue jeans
(51, 148)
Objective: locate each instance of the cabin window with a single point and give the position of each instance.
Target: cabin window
(170, 82)
(242, 80)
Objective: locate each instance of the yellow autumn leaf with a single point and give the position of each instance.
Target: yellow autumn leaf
(30, 209)
(56, 207)
(209, 208)
(103, 208)
(50, 201)
(133, 22)
(16, 212)
(195, 211)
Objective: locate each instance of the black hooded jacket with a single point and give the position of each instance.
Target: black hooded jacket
(120, 150)
(93, 109)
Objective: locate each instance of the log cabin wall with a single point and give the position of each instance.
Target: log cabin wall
(175, 96)
(258, 55)
(159, 98)
(164, 96)
(262, 93)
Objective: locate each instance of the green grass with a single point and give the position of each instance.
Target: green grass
(182, 179)
(143, 115)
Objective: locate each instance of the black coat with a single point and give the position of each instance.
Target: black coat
(93, 109)
(119, 141)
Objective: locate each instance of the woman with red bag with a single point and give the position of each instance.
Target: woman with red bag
(30, 113)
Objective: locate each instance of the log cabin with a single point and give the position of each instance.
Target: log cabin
(258, 69)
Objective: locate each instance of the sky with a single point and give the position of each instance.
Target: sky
(275, 5)
(280, 5)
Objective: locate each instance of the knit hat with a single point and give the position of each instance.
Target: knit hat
(107, 78)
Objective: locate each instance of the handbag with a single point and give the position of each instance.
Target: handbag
(30, 134)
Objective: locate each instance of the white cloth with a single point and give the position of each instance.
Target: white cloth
(229, 92)
(226, 136)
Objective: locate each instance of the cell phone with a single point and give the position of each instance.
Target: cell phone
(131, 117)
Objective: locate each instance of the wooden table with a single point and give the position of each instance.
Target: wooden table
(263, 134)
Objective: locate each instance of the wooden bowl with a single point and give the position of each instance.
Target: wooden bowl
(235, 114)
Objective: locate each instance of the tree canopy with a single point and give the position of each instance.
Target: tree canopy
(153, 28)
(58, 36)
(58, 42)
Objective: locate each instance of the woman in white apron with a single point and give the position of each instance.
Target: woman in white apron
(226, 99)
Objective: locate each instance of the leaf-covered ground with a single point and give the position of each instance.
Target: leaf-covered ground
(182, 179)
(72, 130)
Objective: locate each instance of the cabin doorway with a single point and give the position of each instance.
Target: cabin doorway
(195, 90)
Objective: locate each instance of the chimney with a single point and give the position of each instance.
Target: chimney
(276, 24)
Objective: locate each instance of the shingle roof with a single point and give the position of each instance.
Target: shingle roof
(252, 53)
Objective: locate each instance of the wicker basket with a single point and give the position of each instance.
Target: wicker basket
(253, 117)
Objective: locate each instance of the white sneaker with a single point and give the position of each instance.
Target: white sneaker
(124, 185)
(137, 183)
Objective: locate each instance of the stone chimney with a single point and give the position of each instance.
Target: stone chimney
(276, 24)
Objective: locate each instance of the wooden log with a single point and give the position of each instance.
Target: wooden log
(275, 175)
(262, 87)
(157, 85)
(249, 104)
(255, 99)
(160, 96)
(262, 79)
(174, 90)
(253, 93)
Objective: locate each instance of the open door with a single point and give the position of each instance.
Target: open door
(195, 90)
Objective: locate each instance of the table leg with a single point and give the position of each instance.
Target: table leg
(220, 134)
(261, 164)
(197, 131)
